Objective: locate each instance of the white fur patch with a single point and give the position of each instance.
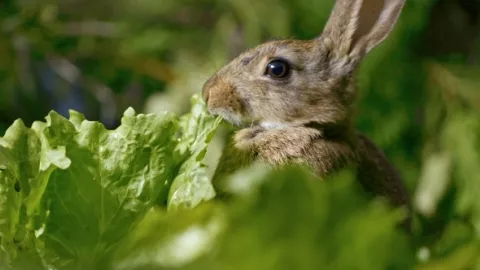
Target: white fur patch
(273, 125)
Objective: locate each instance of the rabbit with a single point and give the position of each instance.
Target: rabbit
(292, 100)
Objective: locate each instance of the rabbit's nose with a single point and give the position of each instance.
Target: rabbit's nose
(206, 90)
(218, 94)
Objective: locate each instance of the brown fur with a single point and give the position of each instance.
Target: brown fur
(307, 117)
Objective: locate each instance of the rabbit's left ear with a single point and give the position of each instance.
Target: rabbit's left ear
(357, 26)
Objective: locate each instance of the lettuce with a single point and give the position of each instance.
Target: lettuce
(71, 190)
(191, 185)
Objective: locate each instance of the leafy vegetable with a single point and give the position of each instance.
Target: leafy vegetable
(191, 186)
(71, 190)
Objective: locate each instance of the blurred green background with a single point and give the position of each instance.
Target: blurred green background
(419, 92)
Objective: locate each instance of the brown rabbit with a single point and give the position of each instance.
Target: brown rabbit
(293, 99)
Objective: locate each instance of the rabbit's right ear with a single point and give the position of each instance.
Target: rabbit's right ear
(357, 26)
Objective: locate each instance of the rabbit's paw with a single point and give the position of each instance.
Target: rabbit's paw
(245, 138)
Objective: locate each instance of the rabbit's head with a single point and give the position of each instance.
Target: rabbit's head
(295, 82)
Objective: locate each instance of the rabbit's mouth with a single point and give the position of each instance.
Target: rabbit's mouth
(241, 121)
(229, 116)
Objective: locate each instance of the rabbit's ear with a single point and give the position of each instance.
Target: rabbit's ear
(357, 26)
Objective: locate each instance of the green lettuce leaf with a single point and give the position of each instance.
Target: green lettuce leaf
(21, 177)
(114, 178)
(192, 185)
(71, 190)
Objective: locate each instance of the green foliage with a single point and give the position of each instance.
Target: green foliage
(74, 195)
(282, 220)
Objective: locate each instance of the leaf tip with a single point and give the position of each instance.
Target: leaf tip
(76, 117)
(130, 112)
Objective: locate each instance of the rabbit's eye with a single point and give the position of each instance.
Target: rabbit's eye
(278, 69)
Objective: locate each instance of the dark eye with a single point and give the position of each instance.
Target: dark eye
(278, 69)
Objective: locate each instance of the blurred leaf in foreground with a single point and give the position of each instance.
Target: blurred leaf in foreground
(167, 240)
(283, 219)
